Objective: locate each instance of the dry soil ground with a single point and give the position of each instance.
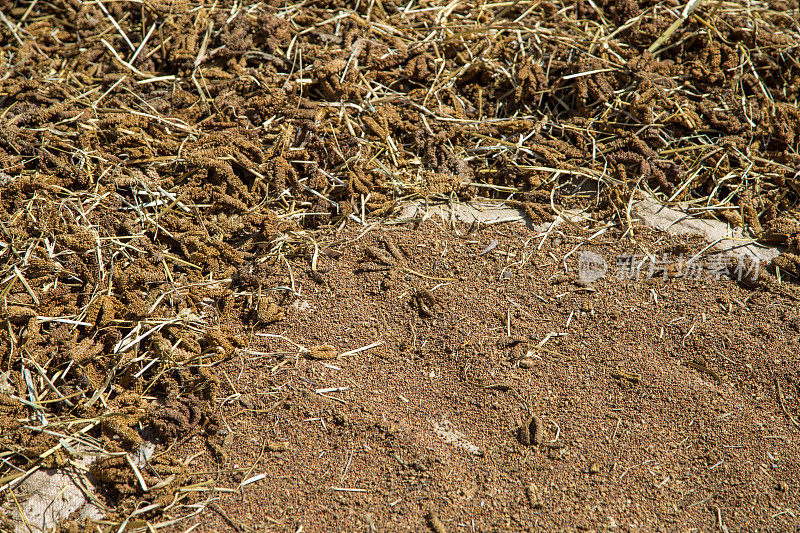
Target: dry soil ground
(662, 402)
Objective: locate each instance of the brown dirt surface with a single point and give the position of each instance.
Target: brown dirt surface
(179, 178)
(656, 397)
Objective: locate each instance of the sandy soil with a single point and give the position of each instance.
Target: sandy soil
(656, 398)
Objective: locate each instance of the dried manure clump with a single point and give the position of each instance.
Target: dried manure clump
(174, 172)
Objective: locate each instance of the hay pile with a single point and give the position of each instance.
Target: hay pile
(159, 160)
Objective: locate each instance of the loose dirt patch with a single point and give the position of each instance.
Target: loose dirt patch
(654, 401)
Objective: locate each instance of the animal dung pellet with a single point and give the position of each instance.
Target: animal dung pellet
(524, 433)
(531, 432)
(537, 430)
(534, 495)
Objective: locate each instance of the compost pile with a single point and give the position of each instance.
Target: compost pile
(161, 160)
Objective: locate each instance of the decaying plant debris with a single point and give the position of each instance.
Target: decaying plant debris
(159, 160)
